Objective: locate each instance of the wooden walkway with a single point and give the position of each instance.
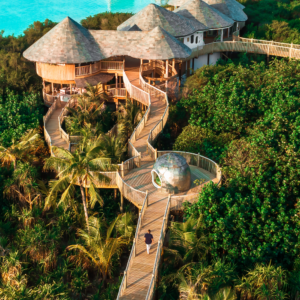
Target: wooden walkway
(140, 273)
(52, 126)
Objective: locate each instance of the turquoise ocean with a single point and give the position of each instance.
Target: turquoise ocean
(17, 15)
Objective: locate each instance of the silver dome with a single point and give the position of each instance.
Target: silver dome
(171, 173)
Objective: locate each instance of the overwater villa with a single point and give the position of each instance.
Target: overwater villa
(145, 60)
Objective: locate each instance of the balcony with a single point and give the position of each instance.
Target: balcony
(99, 66)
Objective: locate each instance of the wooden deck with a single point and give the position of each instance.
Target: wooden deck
(140, 273)
(52, 127)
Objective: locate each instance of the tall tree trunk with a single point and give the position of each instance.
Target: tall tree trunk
(84, 205)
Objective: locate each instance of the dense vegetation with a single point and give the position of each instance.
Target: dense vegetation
(49, 232)
(273, 20)
(245, 117)
(105, 21)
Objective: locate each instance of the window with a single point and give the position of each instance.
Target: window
(181, 40)
(188, 39)
(192, 39)
(196, 40)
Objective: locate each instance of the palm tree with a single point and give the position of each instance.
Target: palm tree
(86, 112)
(101, 245)
(23, 184)
(113, 147)
(129, 116)
(95, 94)
(187, 241)
(80, 168)
(21, 150)
(264, 283)
(227, 293)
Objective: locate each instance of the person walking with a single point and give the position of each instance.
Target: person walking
(148, 240)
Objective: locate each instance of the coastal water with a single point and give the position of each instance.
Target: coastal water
(17, 15)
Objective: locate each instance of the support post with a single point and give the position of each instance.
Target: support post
(122, 202)
(116, 74)
(291, 50)
(122, 170)
(115, 194)
(70, 89)
(167, 68)
(125, 281)
(198, 160)
(155, 155)
(222, 34)
(52, 89)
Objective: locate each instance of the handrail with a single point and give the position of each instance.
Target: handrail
(133, 249)
(157, 130)
(45, 119)
(159, 250)
(98, 66)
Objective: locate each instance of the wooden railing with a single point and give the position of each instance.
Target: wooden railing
(158, 128)
(240, 44)
(99, 66)
(46, 118)
(133, 249)
(144, 98)
(117, 92)
(160, 244)
(49, 99)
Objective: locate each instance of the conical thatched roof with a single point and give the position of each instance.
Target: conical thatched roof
(177, 2)
(135, 28)
(159, 44)
(153, 15)
(230, 8)
(68, 42)
(204, 13)
(154, 44)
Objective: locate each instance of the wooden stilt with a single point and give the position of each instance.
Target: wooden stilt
(122, 203)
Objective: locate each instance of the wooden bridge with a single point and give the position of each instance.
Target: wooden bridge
(133, 178)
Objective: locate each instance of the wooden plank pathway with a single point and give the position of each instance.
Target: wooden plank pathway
(140, 273)
(52, 126)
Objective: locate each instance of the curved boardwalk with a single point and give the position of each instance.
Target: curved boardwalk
(140, 273)
(52, 126)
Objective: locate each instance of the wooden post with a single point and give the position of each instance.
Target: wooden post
(70, 89)
(122, 202)
(125, 281)
(147, 199)
(167, 68)
(155, 155)
(52, 89)
(291, 50)
(222, 35)
(134, 252)
(115, 194)
(116, 75)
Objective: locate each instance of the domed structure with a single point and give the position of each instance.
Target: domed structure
(171, 173)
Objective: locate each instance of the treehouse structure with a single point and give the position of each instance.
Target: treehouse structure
(145, 60)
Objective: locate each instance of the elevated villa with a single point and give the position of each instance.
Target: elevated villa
(145, 60)
(69, 56)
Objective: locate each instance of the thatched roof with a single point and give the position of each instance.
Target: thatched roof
(176, 2)
(230, 8)
(69, 43)
(204, 13)
(134, 28)
(154, 44)
(66, 43)
(153, 15)
(93, 80)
